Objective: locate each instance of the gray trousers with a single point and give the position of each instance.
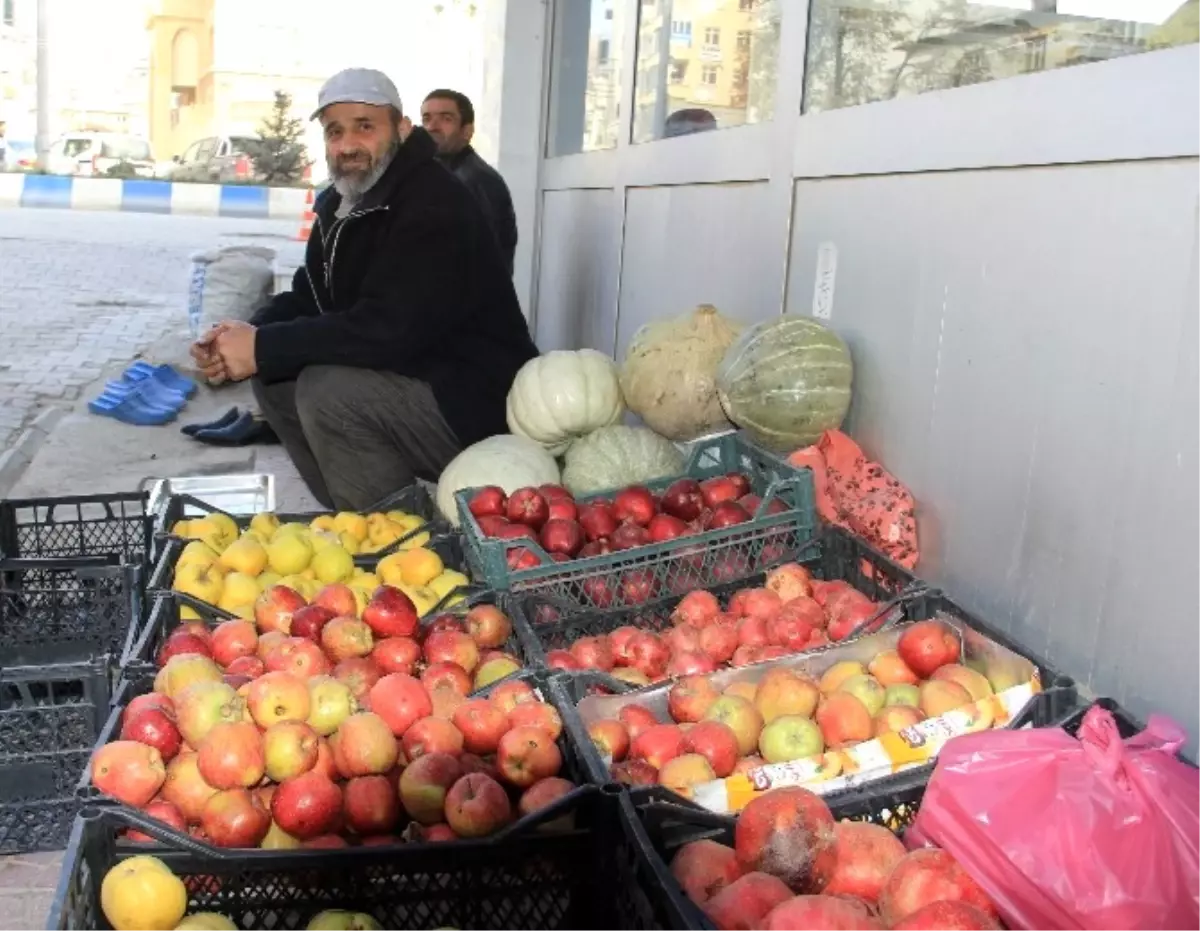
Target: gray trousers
(357, 435)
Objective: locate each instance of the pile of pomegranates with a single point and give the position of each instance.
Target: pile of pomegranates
(791, 613)
(253, 737)
(785, 715)
(792, 866)
(567, 529)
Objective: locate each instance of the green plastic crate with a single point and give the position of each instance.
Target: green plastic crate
(677, 566)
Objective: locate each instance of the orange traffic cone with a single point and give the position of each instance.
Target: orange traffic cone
(306, 223)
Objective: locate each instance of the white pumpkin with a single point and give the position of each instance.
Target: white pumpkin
(563, 395)
(616, 456)
(511, 462)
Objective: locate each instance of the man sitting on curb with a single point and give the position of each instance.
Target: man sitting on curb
(401, 335)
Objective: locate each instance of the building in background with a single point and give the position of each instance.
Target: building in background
(18, 68)
(214, 65)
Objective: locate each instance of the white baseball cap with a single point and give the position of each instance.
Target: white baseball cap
(358, 85)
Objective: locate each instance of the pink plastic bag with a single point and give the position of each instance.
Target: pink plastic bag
(1093, 832)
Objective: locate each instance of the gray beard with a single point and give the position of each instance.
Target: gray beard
(352, 188)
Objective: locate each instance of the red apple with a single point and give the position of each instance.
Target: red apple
(561, 536)
(593, 653)
(542, 794)
(529, 507)
(716, 742)
(232, 640)
(364, 745)
(290, 749)
(424, 784)
(561, 659)
(274, 608)
(611, 738)
(774, 826)
(690, 698)
(633, 773)
(155, 728)
(527, 754)
(307, 806)
(476, 806)
(703, 868)
(232, 756)
(129, 771)
(683, 499)
(635, 504)
(482, 725)
(450, 646)
(597, 521)
(446, 676)
(637, 719)
(536, 714)
(359, 674)
(489, 501)
(391, 613)
(147, 702)
(346, 637)
(337, 598)
(180, 643)
(235, 818)
(720, 490)
(370, 804)
(926, 645)
(299, 656)
(431, 735)
(690, 663)
(163, 811)
(396, 654)
(400, 700)
(658, 745)
(488, 626)
(308, 621)
(649, 655)
(686, 771)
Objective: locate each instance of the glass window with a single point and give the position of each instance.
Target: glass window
(703, 65)
(585, 75)
(128, 148)
(862, 51)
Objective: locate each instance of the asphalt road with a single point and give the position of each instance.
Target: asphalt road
(81, 290)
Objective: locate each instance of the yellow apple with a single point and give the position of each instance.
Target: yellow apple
(353, 524)
(333, 564)
(289, 553)
(265, 524)
(246, 555)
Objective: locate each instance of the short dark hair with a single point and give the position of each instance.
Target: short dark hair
(466, 111)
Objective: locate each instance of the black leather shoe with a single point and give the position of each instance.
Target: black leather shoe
(244, 431)
(224, 420)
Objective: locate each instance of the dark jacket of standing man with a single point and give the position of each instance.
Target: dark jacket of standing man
(449, 117)
(401, 335)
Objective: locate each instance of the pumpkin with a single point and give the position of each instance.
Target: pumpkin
(563, 395)
(511, 462)
(616, 456)
(670, 370)
(786, 381)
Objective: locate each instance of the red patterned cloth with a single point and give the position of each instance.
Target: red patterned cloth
(861, 496)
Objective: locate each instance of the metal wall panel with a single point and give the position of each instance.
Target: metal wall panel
(577, 271)
(698, 244)
(1025, 343)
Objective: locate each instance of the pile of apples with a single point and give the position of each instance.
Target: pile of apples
(791, 613)
(252, 737)
(568, 529)
(793, 866)
(229, 568)
(786, 715)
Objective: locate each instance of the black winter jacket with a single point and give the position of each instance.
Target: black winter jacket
(492, 193)
(410, 281)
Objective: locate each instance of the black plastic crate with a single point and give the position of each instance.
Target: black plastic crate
(415, 499)
(67, 610)
(523, 878)
(549, 623)
(80, 525)
(49, 720)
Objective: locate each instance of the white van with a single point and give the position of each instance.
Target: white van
(93, 154)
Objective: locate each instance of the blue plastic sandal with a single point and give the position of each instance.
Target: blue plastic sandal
(150, 390)
(163, 374)
(130, 409)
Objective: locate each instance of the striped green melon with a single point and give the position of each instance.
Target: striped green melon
(786, 381)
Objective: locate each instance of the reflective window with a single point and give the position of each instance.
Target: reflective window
(585, 76)
(862, 51)
(704, 64)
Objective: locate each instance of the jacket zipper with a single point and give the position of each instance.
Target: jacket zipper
(336, 233)
(313, 287)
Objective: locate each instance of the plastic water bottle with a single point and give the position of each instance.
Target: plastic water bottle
(196, 297)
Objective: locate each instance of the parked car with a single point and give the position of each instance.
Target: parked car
(219, 160)
(93, 154)
(17, 155)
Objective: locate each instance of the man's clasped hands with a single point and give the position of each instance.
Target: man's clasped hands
(226, 352)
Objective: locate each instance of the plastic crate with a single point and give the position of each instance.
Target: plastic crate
(83, 525)
(677, 565)
(49, 720)
(549, 622)
(415, 499)
(67, 610)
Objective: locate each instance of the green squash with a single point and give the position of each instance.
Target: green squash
(786, 381)
(617, 456)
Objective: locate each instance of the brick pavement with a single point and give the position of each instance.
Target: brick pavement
(80, 291)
